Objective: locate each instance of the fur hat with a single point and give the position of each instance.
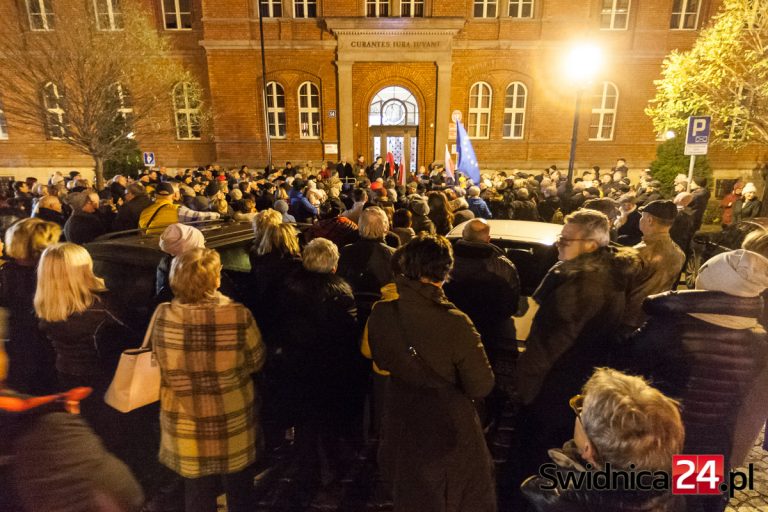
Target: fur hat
(741, 273)
(179, 238)
(749, 187)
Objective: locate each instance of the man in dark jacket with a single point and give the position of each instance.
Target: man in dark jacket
(365, 264)
(484, 284)
(136, 200)
(700, 200)
(84, 225)
(581, 301)
(49, 208)
(332, 226)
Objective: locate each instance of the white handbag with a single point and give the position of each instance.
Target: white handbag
(137, 380)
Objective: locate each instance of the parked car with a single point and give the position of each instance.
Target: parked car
(705, 245)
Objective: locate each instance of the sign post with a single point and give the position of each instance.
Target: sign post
(149, 159)
(696, 140)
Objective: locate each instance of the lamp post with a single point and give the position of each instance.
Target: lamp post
(582, 63)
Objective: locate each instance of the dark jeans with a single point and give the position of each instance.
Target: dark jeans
(200, 493)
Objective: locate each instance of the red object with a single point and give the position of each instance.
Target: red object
(698, 474)
(391, 162)
(402, 173)
(450, 168)
(21, 404)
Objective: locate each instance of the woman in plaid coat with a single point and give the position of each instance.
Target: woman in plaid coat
(207, 347)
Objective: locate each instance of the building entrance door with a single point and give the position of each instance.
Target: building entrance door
(393, 121)
(401, 141)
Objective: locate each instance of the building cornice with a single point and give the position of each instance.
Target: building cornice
(361, 26)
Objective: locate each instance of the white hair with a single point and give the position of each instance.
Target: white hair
(374, 223)
(320, 255)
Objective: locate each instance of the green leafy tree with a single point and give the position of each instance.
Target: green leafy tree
(95, 90)
(724, 75)
(670, 161)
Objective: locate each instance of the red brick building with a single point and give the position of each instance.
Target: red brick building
(348, 77)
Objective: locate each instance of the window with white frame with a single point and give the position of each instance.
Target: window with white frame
(3, 122)
(186, 106)
(514, 111)
(177, 14)
(411, 8)
(305, 8)
(614, 14)
(736, 125)
(276, 110)
(109, 14)
(54, 111)
(484, 9)
(271, 8)
(377, 8)
(479, 111)
(521, 8)
(40, 14)
(603, 118)
(309, 111)
(685, 14)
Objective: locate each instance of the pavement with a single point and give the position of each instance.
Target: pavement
(755, 500)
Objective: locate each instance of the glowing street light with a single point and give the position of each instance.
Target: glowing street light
(582, 63)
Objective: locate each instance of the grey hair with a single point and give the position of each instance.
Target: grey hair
(320, 255)
(374, 223)
(594, 225)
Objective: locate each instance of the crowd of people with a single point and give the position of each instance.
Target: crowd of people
(360, 322)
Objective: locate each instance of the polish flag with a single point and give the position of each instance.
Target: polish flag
(402, 175)
(449, 167)
(391, 162)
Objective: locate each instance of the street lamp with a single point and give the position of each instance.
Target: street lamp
(582, 64)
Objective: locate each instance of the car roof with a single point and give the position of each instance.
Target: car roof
(760, 221)
(542, 233)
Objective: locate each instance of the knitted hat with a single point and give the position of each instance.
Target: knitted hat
(179, 238)
(281, 206)
(419, 206)
(749, 187)
(741, 273)
(236, 194)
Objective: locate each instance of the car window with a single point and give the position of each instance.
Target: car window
(235, 257)
(533, 261)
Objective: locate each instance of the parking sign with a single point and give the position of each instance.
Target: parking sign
(697, 135)
(149, 159)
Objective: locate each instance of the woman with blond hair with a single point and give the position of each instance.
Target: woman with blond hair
(207, 347)
(440, 212)
(31, 356)
(85, 326)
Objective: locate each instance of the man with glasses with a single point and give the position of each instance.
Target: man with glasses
(622, 421)
(85, 223)
(581, 301)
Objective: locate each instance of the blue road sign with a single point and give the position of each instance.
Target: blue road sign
(697, 135)
(149, 159)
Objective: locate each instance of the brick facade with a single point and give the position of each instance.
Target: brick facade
(223, 51)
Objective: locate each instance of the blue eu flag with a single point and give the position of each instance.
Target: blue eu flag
(467, 159)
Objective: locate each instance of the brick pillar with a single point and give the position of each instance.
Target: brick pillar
(443, 108)
(345, 120)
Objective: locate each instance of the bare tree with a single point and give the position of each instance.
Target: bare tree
(94, 83)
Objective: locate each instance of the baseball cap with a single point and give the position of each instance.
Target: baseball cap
(661, 208)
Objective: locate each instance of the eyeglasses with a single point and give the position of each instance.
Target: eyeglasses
(577, 405)
(561, 240)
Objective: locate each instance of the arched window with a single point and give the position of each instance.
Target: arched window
(514, 110)
(3, 122)
(309, 111)
(187, 109)
(54, 111)
(109, 14)
(479, 125)
(603, 119)
(393, 106)
(276, 110)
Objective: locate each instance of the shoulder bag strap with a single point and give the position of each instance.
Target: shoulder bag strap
(431, 374)
(149, 223)
(148, 334)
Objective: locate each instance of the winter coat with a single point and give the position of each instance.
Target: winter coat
(547, 208)
(523, 210)
(366, 266)
(323, 368)
(581, 302)
(52, 461)
(662, 262)
(709, 361)
(339, 230)
(89, 344)
(743, 209)
(82, 228)
(300, 207)
(128, 215)
(572, 499)
(484, 284)
(207, 353)
(629, 233)
(51, 216)
(432, 446)
(699, 205)
(479, 208)
(32, 359)
(159, 215)
(682, 230)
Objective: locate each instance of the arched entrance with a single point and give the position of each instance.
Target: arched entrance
(393, 121)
